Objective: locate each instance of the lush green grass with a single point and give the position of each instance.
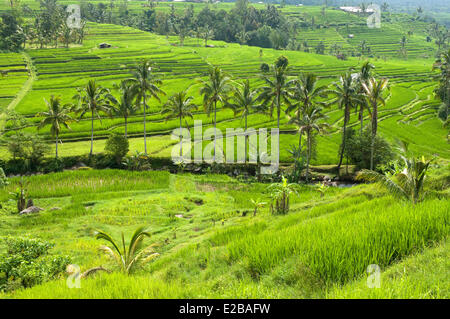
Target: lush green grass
(208, 247)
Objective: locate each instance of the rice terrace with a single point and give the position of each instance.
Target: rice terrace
(224, 150)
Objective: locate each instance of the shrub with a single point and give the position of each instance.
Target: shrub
(118, 146)
(357, 149)
(3, 178)
(282, 62)
(26, 263)
(264, 67)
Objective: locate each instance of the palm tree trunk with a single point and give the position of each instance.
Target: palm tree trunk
(308, 154)
(92, 134)
(374, 133)
(56, 146)
(215, 113)
(246, 139)
(181, 141)
(145, 130)
(361, 119)
(341, 156)
(126, 126)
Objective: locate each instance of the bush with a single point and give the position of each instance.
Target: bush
(26, 263)
(118, 146)
(3, 178)
(264, 67)
(357, 149)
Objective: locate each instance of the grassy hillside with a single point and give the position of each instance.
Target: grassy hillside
(205, 238)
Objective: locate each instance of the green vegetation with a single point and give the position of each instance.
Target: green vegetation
(338, 92)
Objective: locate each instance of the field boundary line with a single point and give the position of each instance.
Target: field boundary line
(23, 91)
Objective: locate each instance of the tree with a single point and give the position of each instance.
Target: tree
(214, 90)
(128, 259)
(275, 91)
(347, 97)
(244, 100)
(146, 84)
(305, 93)
(126, 105)
(407, 178)
(443, 90)
(310, 122)
(374, 93)
(179, 106)
(118, 146)
(363, 76)
(92, 98)
(57, 116)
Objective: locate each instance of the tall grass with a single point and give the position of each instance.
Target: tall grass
(340, 247)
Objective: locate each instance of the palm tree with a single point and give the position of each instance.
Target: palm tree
(374, 93)
(57, 116)
(92, 98)
(146, 84)
(276, 90)
(347, 96)
(214, 90)
(179, 106)
(305, 92)
(310, 122)
(128, 259)
(125, 105)
(406, 180)
(244, 99)
(363, 76)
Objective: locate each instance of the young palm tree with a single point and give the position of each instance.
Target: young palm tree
(93, 98)
(244, 100)
(214, 90)
(363, 77)
(146, 84)
(276, 90)
(374, 93)
(305, 92)
(126, 104)
(179, 106)
(57, 116)
(347, 96)
(406, 181)
(128, 259)
(310, 122)
(443, 90)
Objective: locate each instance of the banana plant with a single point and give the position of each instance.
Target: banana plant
(128, 259)
(280, 194)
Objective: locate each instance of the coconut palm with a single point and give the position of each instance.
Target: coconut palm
(57, 116)
(305, 92)
(244, 100)
(347, 97)
(363, 76)
(125, 106)
(179, 106)
(146, 84)
(276, 90)
(214, 90)
(128, 259)
(406, 180)
(310, 122)
(92, 98)
(374, 91)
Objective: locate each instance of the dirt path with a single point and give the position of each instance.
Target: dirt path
(26, 87)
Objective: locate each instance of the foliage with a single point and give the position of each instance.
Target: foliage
(280, 194)
(358, 149)
(3, 179)
(137, 162)
(129, 259)
(118, 146)
(26, 263)
(407, 178)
